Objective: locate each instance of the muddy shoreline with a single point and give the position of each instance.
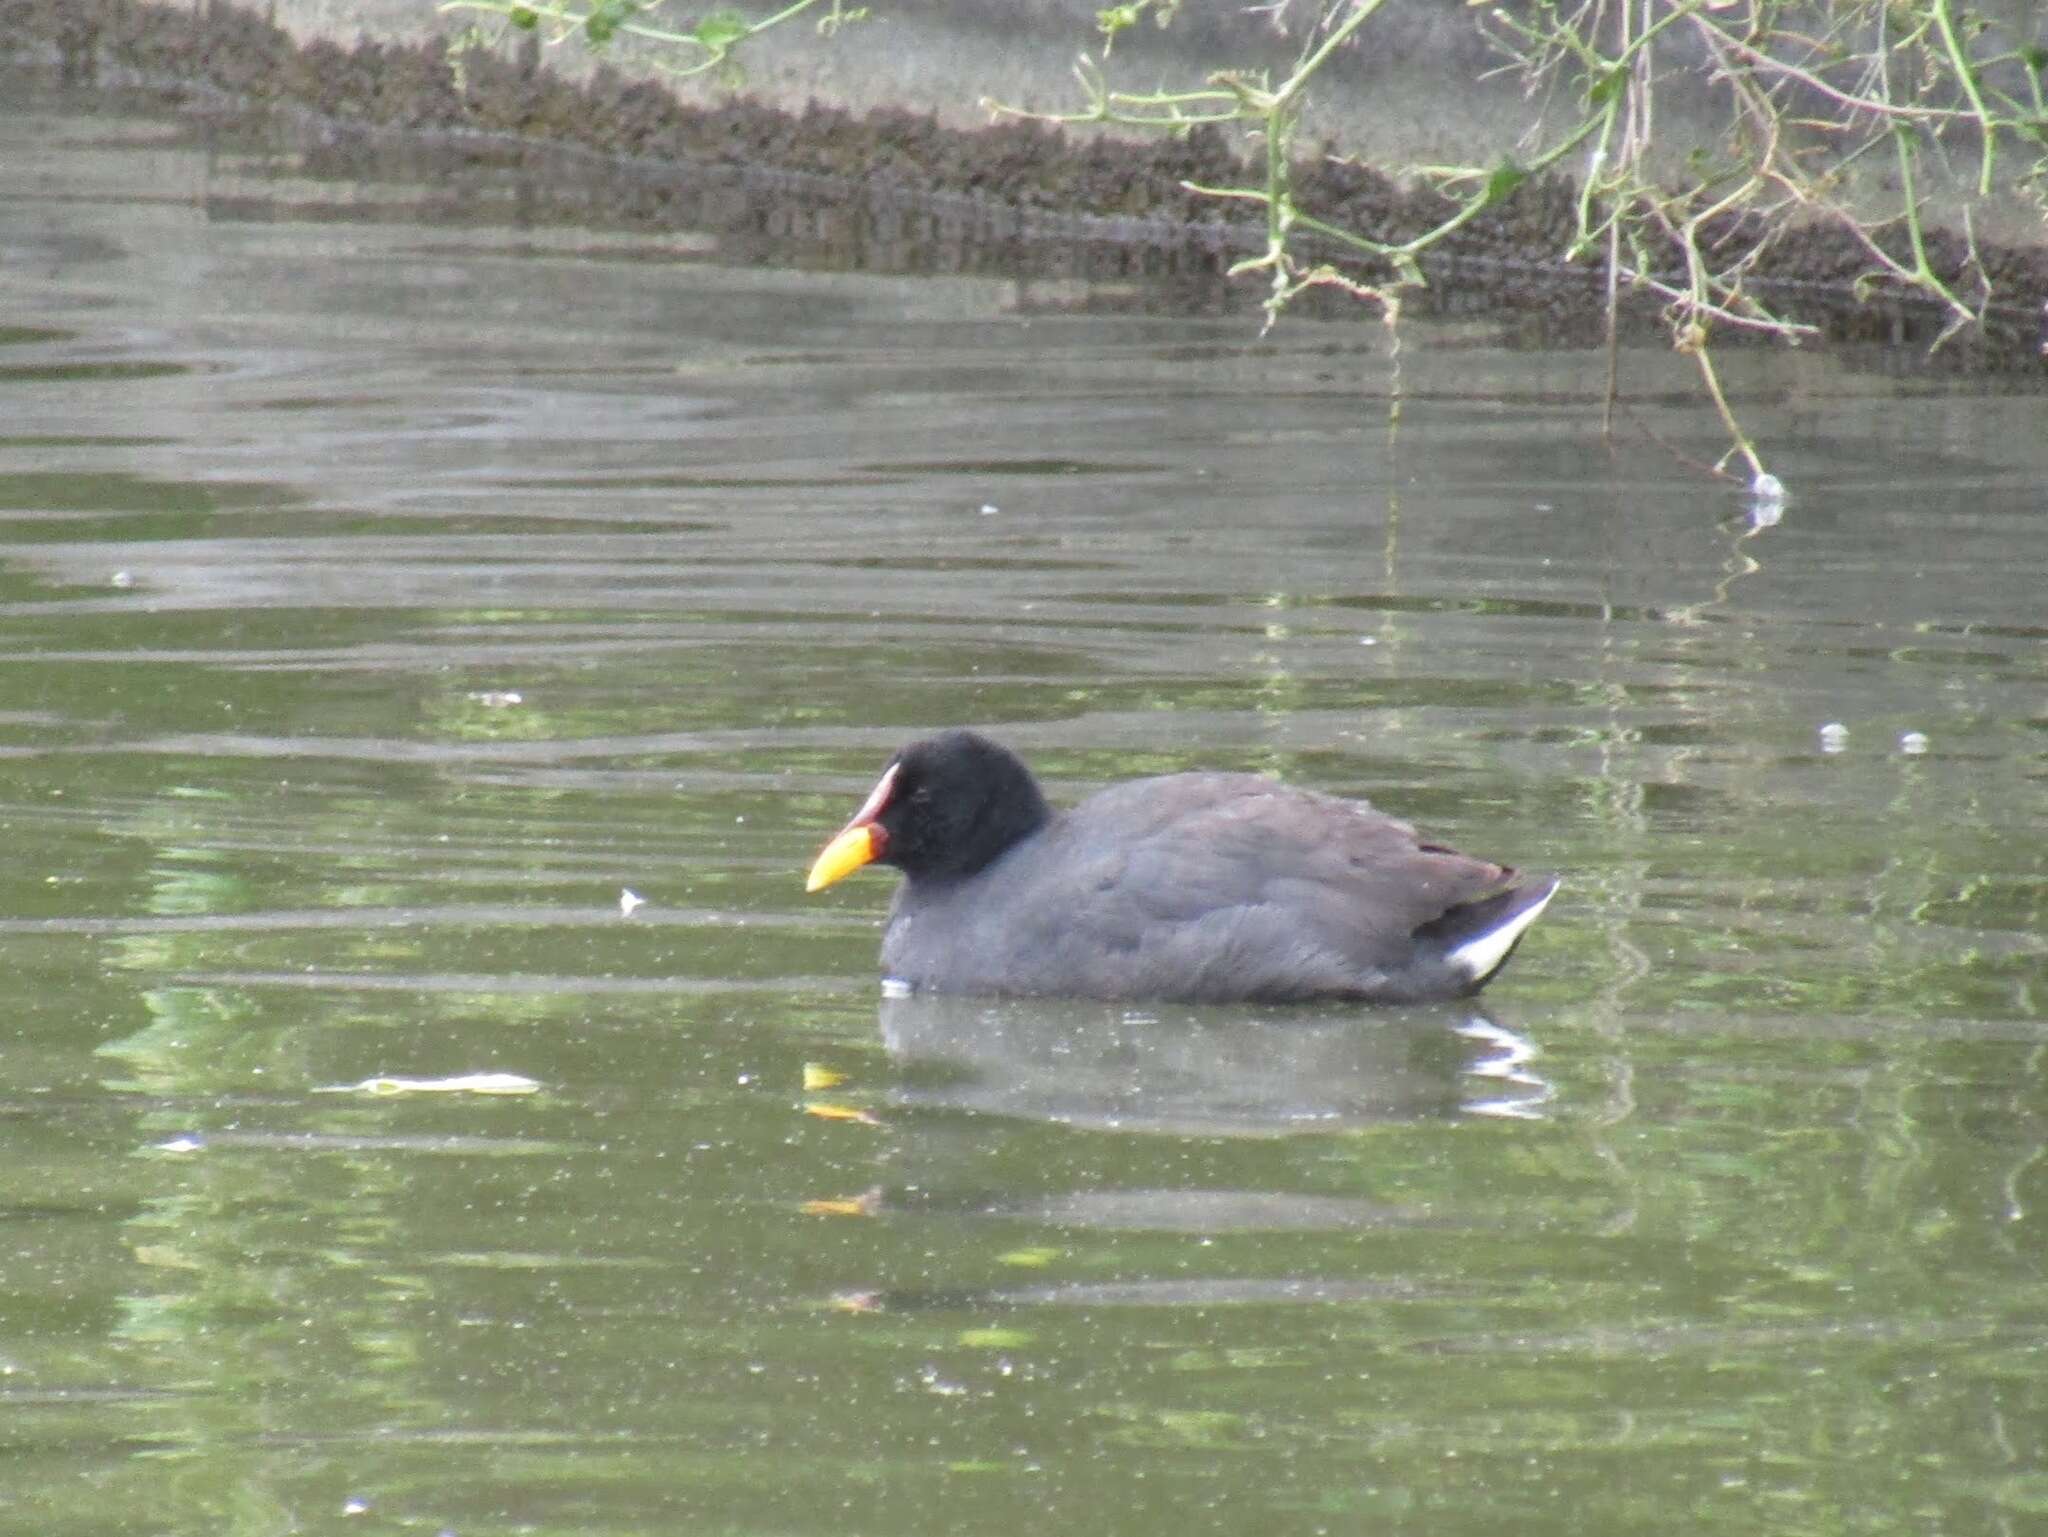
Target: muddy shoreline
(894, 191)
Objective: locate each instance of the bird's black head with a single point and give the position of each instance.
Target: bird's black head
(958, 801)
(944, 807)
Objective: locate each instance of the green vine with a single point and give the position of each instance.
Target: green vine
(710, 44)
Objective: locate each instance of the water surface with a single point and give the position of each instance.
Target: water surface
(381, 603)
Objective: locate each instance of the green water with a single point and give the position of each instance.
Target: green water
(379, 604)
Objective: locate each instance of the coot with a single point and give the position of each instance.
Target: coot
(1199, 888)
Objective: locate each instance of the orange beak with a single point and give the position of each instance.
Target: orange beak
(859, 842)
(841, 857)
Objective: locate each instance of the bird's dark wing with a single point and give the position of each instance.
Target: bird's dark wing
(1231, 885)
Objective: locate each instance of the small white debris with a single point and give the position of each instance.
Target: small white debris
(1766, 500)
(122, 579)
(989, 509)
(189, 1142)
(1368, 640)
(1834, 736)
(628, 900)
(895, 987)
(354, 1507)
(498, 698)
(1913, 743)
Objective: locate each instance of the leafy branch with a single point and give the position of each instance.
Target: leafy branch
(708, 45)
(1816, 103)
(1808, 92)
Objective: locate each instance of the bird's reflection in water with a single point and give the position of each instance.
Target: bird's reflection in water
(1208, 1071)
(1160, 1094)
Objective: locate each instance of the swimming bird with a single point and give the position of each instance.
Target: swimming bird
(1195, 887)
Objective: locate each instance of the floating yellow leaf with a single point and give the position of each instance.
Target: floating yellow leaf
(465, 1083)
(830, 1112)
(853, 1206)
(818, 1076)
(1030, 1259)
(994, 1339)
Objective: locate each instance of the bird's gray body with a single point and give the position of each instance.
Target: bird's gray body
(1215, 888)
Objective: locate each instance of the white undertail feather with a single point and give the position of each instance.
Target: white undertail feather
(1479, 955)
